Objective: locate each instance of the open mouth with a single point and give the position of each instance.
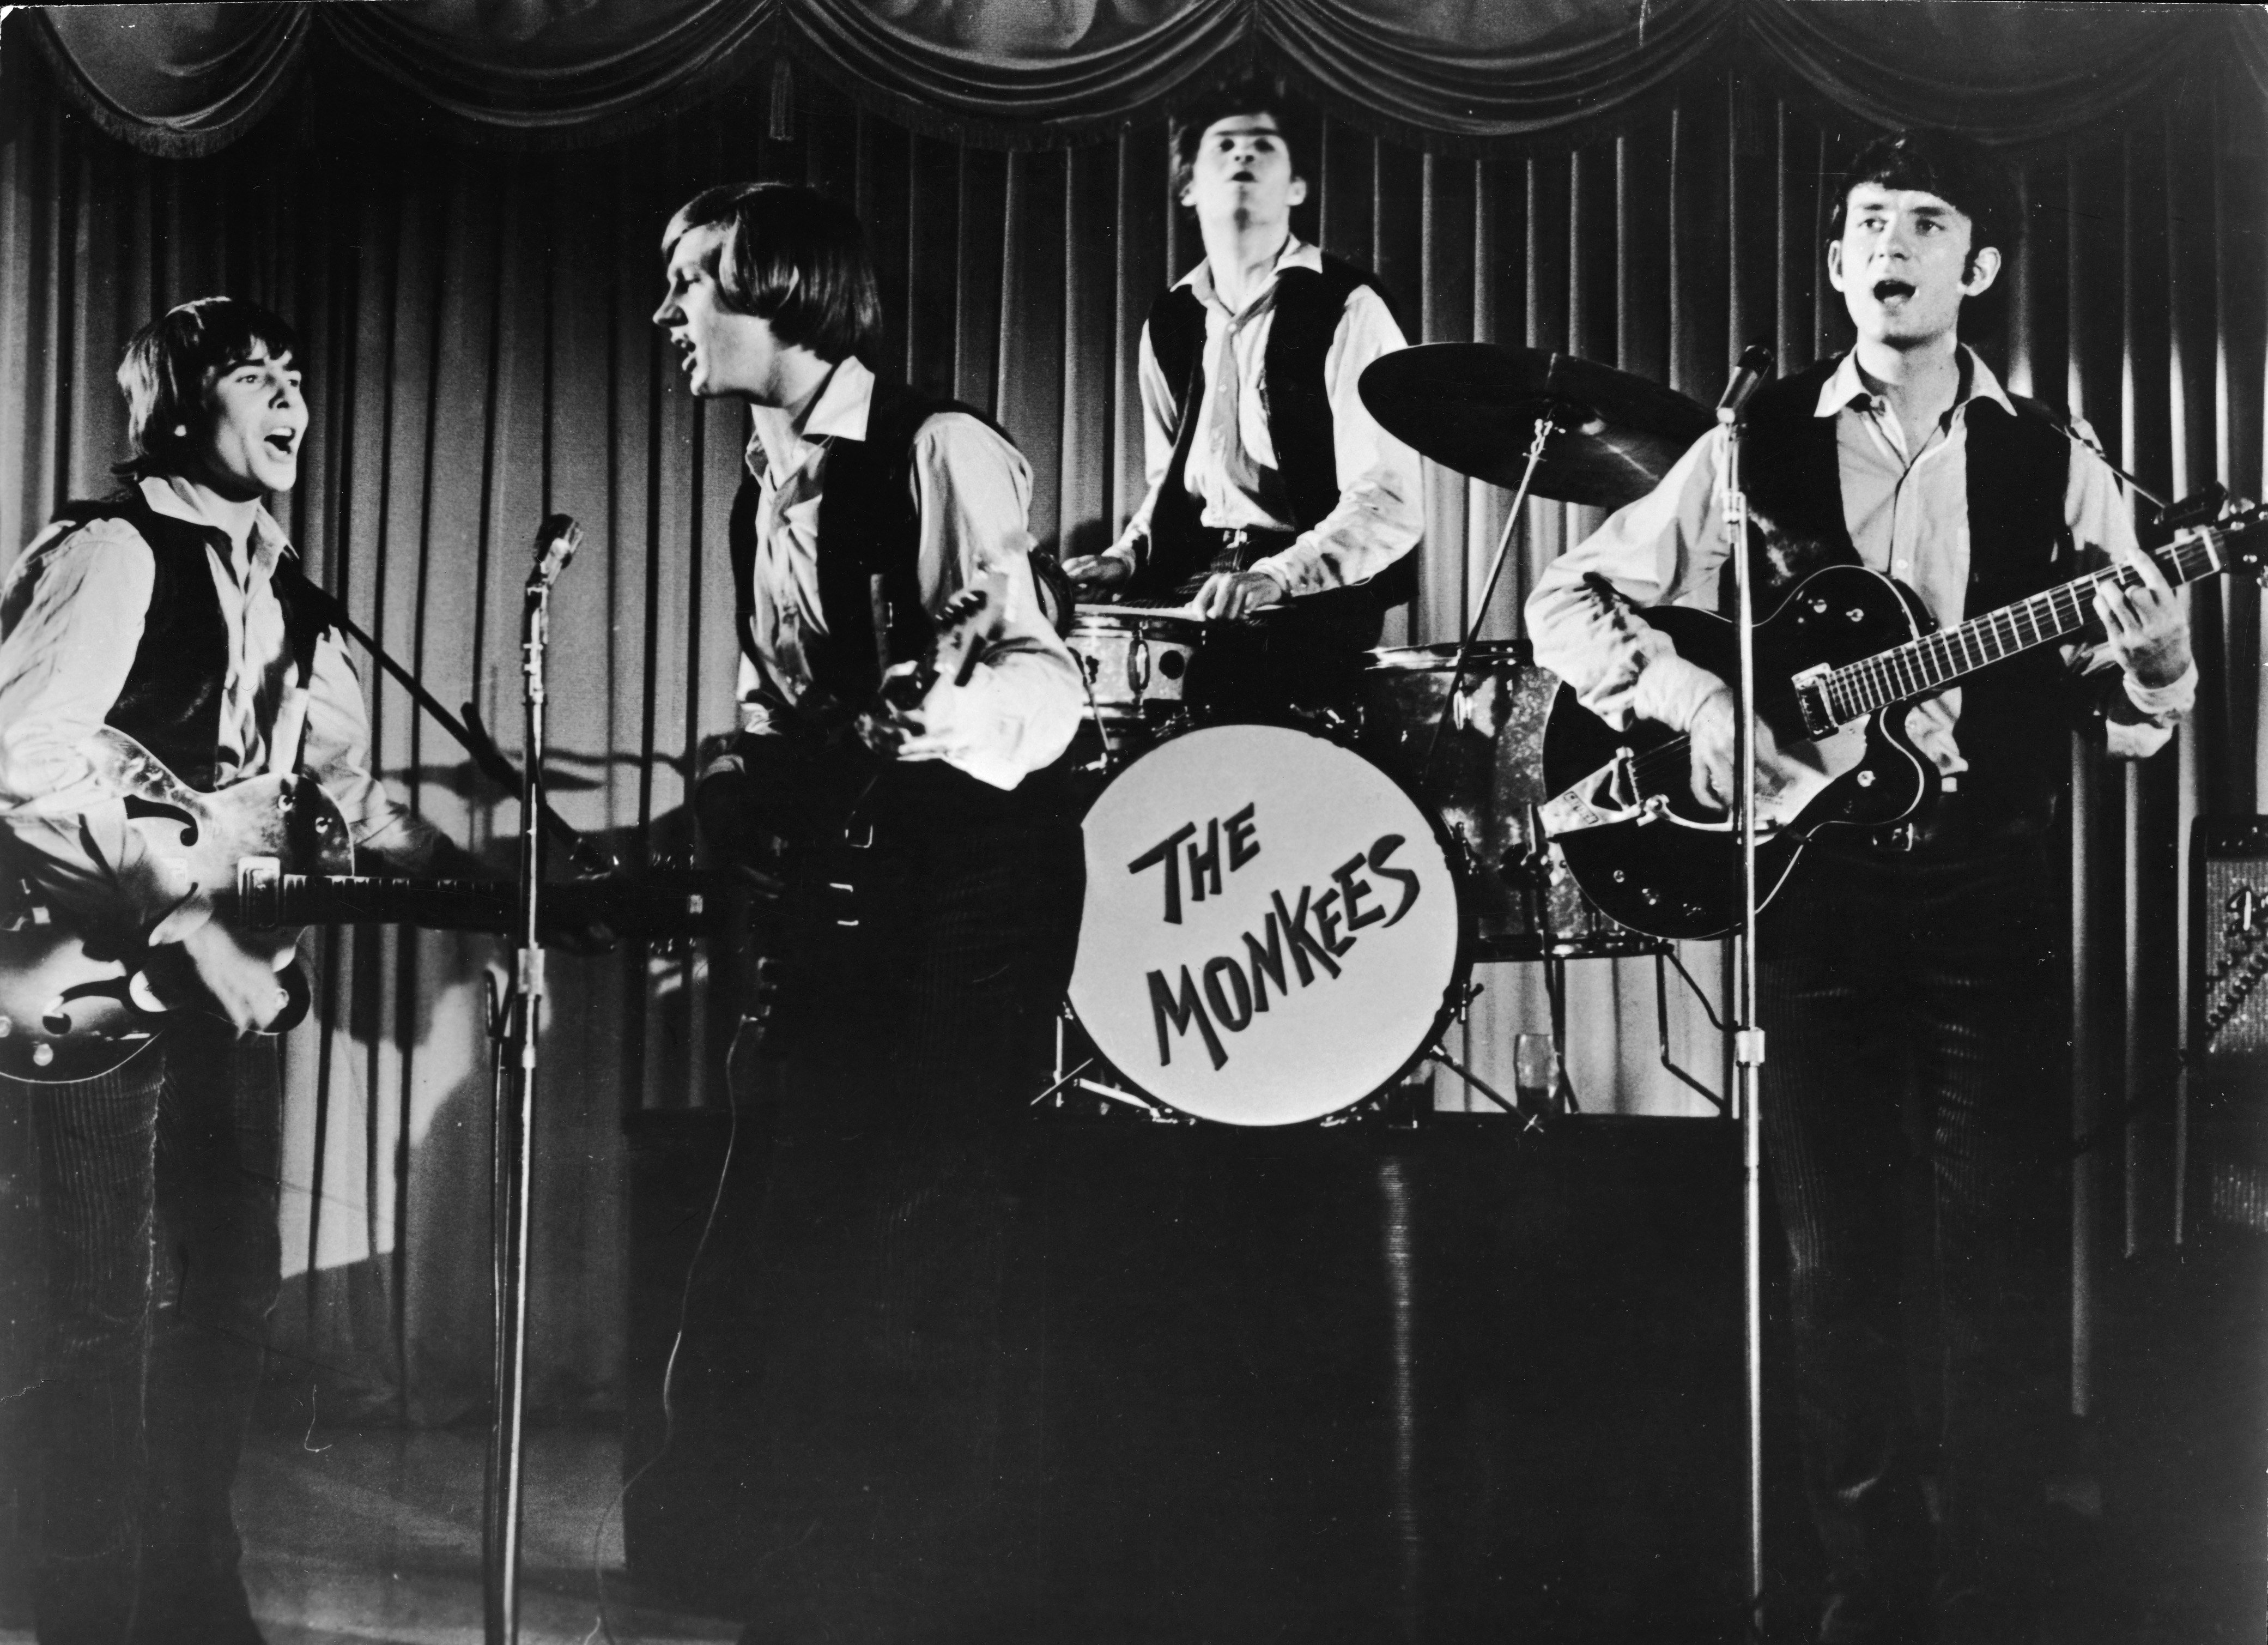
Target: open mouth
(1887, 290)
(281, 441)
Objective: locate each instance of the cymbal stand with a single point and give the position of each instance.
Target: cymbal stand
(514, 1025)
(1546, 426)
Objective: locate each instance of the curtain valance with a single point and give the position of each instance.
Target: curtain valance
(180, 80)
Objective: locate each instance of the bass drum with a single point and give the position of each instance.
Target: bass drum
(1273, 930)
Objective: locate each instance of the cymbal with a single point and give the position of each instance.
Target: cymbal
(1474, 407)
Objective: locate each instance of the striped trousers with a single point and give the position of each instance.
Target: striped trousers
(157, 1201)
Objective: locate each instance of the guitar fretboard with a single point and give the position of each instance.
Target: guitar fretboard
(1936, 661)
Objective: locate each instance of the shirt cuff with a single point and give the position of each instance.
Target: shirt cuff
(2164, 701)
(1670, 691)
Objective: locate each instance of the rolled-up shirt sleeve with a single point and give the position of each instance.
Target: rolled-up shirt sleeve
(2137, 720)
(1019, 710)
(70, 621)
(1380, 513)
(1664, 548)
(337, 750)
(1161, 412)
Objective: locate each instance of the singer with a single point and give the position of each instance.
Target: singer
(175, 612)
(926, 865)
(1911, 983)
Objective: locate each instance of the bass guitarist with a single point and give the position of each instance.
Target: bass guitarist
(1911, 983)
(171, 612)
(864, 1421)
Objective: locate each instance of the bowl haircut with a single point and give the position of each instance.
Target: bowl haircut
(171, 363)
(794, 258)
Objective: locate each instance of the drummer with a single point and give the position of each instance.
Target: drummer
(1273, 489)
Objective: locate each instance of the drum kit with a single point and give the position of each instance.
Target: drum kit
(1281, 919)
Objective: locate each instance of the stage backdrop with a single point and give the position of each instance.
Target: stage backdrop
(459, 206)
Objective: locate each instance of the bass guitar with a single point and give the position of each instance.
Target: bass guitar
(1838, 668)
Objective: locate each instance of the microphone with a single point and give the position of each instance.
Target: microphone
(556, 539)
(1749, 376)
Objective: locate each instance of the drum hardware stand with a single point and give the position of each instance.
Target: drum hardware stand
(1666, 953)
(1755, 363)
(1546, 426)
(515, 1022)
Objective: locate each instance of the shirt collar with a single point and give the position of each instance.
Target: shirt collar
(845, 401)
(1845, 385)
(177, 502)
(1296, 253)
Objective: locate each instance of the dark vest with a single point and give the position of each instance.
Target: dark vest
(2013, 714)
(1310, 305)
(171, 701)
(868, 527)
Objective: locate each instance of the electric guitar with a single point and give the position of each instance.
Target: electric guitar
(1838, 667)
(272, 854)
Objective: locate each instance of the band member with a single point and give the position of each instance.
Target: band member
(1910, 987)
(1269, 481)
(914, 1009)
(173, 612)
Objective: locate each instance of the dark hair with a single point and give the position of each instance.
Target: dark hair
(1254, 95)
(173, 360)
(1961, 172)
(795, 259)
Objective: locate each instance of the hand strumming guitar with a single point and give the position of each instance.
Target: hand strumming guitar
(1716, 724)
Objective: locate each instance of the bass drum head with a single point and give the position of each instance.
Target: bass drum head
(1272, 928)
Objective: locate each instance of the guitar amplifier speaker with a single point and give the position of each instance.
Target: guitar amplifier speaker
(2228, 1019)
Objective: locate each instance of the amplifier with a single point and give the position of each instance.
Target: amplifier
(2228, 1018)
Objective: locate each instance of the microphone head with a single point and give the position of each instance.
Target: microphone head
(1755, 366)
(556, 539)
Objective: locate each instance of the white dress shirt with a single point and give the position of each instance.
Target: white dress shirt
(1232, 470)
(1908, 515)
(71, 615)
(972, 491)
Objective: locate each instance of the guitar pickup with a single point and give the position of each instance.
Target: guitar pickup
(1811, 701)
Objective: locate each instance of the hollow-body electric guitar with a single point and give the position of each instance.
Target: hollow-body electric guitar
(272, 854)
(1838, 667)
(268, 856)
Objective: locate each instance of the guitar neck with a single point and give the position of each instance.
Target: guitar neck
(362, 899)
(662, 905)
(1936, 661)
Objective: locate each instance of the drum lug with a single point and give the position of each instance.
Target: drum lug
(1137, 666)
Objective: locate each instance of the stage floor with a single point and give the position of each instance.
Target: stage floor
(374, 1539)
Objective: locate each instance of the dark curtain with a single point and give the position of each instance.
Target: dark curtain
(1440, 73)
(479, 350)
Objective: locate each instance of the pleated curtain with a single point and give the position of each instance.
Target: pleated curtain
(480, 352)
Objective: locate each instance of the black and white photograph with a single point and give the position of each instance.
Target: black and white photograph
(1133, 822)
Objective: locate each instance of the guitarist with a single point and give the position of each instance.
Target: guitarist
(170, 612)
(1910, 983)
(902, 1048)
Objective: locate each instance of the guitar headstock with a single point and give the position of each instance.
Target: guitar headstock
(966, 624)
(2242, 542)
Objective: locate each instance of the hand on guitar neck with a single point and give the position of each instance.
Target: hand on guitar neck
(916, 713)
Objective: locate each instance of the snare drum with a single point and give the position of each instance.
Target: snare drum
(1273, 930)
(1136, 664)
(1482, 781)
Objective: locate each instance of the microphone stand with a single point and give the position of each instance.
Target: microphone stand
(1748, 1038)
(515, 1023)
